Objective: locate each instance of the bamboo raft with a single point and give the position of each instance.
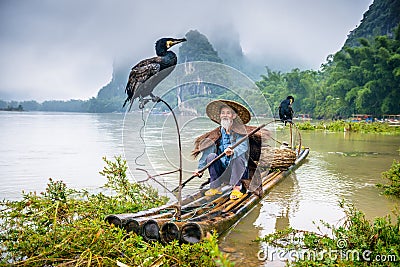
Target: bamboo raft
(201, 214)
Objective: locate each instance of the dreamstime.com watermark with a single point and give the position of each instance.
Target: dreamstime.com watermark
(274, 254)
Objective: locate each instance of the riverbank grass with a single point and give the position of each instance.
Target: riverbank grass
(66, 227)
(344, 126)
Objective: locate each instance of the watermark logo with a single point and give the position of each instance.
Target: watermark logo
(341, 243)
(270, 253)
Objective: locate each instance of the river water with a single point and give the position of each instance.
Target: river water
(35, 146)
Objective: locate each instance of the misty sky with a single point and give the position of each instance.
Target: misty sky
(65, 49)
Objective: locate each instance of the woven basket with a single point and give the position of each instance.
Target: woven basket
(275, 158)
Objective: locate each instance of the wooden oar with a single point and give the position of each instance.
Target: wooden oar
(222, 154)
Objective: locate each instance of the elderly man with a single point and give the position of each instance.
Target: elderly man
(232, 167)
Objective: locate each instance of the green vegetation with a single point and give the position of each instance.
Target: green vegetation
(66, 227)
(11, 108)
(381, 18)
(356, 242)
(50, 106)
(340, 126)
(393, 176)
(355, 80)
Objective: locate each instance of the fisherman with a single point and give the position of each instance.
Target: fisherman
(233, 166)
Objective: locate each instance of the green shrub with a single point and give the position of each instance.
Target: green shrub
(66, 227)
(357, 242)
(305, 126)
(340, 126)
(393, 175)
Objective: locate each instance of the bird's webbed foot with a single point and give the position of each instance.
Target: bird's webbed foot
(155, 99)
(289, 121)
(143, 102)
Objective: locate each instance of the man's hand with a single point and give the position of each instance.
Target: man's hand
(197, 173)
(228, 151)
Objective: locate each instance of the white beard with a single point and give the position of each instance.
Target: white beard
(226, 123)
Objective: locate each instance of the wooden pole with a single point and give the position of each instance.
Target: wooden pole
(180, 160)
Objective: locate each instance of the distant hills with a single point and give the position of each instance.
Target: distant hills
(197, 48)
(381, 18)
(111, 96)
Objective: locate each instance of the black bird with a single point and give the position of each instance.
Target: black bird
(151, 67)
(285, 110)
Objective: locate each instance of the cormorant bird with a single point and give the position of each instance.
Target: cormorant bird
(151, 68)
(285, 110)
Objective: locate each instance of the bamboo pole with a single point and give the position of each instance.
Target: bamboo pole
(192, 232)
(150, 230)
(169, 231)
(235, 203)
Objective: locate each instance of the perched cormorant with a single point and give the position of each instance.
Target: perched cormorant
(285, 110)
(151, 67)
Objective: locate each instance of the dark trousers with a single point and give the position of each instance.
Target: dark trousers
(232, 174)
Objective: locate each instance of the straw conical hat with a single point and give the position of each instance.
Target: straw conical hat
(213, 110)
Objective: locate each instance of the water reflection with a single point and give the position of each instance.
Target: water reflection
(282, 220)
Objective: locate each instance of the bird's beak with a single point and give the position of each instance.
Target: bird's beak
(174, 42)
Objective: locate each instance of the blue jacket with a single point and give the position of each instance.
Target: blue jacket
(218, 147)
